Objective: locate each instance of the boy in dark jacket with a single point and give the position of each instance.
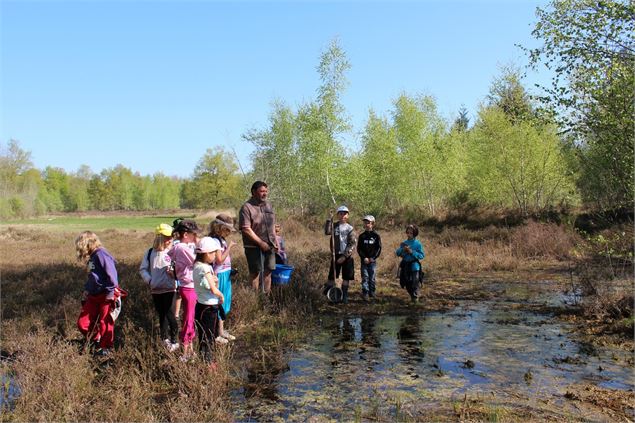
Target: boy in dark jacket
(369, 249)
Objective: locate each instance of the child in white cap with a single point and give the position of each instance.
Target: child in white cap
(369, 249)
(208, 296)
(343, 244)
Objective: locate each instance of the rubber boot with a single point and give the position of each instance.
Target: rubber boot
(345, 294)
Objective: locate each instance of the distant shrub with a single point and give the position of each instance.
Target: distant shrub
(18, 206)
(6, 211)
(535, 240)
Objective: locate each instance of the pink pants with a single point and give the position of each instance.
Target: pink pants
(188, 329)
(95, 320)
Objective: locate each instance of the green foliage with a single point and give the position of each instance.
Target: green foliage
(517, 165)
(508, 94)
(215, 182)
(300, 154)
(379, 165)
(423, 172)
(462, 121)
(590, 45)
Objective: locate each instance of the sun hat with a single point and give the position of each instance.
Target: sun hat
(206, 245)
(369, 217)
(342, 208)
(163, 229)
(226, 221)
(187, 225)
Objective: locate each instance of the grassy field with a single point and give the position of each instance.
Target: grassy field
(41, 283)
(75, 223)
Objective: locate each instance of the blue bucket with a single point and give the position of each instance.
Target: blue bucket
(281, 275)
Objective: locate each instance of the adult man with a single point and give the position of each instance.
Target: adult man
(256, 222)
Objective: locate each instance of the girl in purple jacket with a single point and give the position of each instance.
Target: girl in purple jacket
(101, 290)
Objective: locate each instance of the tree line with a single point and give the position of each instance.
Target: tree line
(26, 191)
(571, 144)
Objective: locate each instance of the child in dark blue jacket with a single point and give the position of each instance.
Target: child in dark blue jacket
(369, 249)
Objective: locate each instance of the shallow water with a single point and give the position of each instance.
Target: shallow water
(379, 362)
(9, 391)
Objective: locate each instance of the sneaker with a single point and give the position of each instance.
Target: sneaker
(228, 336)
(221, 340)
(184, 358)
(173, 346)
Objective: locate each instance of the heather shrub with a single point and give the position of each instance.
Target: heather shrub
(542, 240)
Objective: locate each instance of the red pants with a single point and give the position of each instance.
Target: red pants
(95, 321)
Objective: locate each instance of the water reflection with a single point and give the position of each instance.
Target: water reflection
(9, 392)
(355, 360)
(410, 340)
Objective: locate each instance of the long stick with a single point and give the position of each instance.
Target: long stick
(262, 272)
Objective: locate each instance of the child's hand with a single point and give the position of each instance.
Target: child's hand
(221, 299)
(366, 260)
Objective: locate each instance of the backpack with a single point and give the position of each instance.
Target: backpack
(148, 254)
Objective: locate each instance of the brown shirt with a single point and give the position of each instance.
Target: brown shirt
(261, 219)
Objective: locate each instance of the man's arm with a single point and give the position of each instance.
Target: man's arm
(256, 239)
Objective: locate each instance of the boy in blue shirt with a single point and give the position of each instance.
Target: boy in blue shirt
(411, 251)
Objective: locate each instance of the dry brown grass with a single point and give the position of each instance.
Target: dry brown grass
(41, 286)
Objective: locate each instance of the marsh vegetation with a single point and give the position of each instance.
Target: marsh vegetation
(517, 322)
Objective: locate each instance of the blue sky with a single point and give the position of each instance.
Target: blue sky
(152, 84)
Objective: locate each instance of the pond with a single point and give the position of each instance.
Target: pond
(361, 364)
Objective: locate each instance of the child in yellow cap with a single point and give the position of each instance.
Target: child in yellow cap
(156, 271)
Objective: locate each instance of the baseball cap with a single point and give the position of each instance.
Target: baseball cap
(370, 218)
(207, 245)
(342, 209)
(163, 229)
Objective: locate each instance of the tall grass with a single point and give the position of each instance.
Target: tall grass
(41, 285)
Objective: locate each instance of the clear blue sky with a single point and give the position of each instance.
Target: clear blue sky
(152, 84)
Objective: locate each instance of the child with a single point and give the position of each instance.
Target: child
(208, 297)
(156, 271)
(100, 293)
(369, 249)
(411, 252)
(182, 254)
(176, 303)
(342, 247)
(220, 229)
(281, 254)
